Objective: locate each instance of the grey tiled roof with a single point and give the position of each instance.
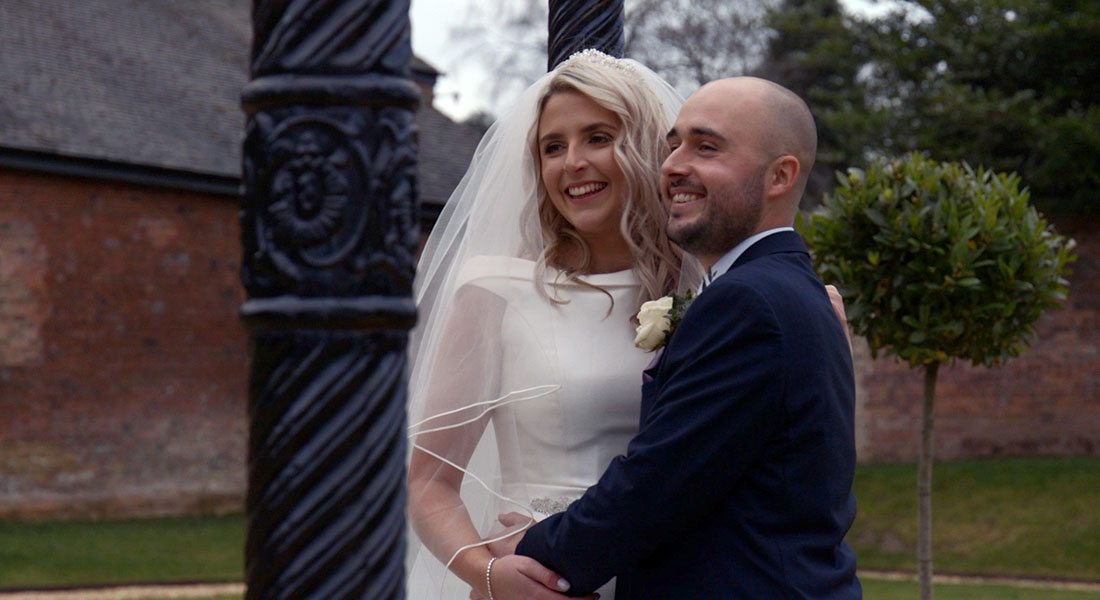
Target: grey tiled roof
(155, 83)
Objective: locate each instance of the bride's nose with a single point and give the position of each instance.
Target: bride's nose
(575, 158)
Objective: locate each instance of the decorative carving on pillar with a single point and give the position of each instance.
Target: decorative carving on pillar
(329, 235)
(579, 24)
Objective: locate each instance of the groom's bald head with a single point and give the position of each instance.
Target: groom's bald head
(780, 121)
(741, 152)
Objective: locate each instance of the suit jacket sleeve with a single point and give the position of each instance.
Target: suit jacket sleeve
(719, 401)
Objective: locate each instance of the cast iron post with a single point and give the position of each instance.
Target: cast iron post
(328, 227)
(579, 24)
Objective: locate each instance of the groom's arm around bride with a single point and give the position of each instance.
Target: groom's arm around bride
(739, 482)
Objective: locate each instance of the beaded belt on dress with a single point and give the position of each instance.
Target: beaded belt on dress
(552, 505)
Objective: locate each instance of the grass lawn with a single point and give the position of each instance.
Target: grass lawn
(1033, 517)
(59, 554)
(1019, 516)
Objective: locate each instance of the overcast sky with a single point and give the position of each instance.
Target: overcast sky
(457, 92)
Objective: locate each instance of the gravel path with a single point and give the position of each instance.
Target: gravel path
(1028, 582)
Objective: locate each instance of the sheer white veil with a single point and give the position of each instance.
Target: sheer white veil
(492, 213)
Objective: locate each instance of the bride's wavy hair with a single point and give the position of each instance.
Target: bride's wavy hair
(639, 150)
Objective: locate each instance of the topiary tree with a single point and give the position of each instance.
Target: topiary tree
(936, 262)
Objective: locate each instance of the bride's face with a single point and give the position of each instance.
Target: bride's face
(577, 160)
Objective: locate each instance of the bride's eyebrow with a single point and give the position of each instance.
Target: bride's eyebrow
(553, 135)
(600, 125)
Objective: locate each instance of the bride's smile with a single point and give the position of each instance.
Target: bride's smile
(576, 140)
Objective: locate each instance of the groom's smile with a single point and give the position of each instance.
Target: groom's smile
(685, 197)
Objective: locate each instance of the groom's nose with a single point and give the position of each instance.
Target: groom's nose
(672, 169)
(673, 166)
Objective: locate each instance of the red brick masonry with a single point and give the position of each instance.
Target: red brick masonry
(122, 362)
(123, 367)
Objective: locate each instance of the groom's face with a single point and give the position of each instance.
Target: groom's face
(713, 179)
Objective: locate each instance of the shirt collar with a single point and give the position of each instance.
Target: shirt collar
(731, 257)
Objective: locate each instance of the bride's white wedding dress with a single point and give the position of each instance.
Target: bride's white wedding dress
(565, 400)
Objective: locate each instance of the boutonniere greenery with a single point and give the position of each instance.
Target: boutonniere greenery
(657, 320)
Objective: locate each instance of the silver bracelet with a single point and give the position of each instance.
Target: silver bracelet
(488, 579)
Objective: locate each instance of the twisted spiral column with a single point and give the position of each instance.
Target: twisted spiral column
(579, 24)
(328, 228)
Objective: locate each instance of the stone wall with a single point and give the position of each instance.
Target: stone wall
(123, 368)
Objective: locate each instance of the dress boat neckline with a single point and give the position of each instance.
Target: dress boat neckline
(523, 268)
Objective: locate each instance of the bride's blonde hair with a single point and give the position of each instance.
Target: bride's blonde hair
(639, 150)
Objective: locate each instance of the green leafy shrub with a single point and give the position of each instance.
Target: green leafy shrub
(938, 261)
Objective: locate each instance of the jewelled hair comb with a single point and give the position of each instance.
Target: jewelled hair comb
(596, 57)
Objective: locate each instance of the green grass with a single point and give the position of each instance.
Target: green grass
(907, 590)
(1022, 516)
(1019, 516)
(76, 553)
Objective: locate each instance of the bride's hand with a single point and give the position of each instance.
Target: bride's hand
(514, 523)
(838, 308)
(522, 577)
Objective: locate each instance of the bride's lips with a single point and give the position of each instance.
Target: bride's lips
(585, 190)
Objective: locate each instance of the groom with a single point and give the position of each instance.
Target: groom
(739, 482)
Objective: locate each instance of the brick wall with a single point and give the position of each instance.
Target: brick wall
(1043, 402)
(123, 368)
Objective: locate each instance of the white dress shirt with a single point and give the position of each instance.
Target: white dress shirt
(727, 260)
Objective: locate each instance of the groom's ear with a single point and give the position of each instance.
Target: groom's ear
(781, 176)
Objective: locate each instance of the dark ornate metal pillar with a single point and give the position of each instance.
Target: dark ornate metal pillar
(329, 232)
(579, 24)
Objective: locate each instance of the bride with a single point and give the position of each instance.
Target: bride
(525, 380)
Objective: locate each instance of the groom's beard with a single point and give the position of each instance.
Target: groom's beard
(729, 217)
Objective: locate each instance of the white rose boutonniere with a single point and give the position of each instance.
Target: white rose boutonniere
(657, 319)
(653, 323)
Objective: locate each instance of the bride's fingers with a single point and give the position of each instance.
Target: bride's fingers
(534, 569)
(838, 303)
(838, 308)
(522, 577)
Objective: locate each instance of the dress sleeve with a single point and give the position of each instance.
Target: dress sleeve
(448, 414)
(719, 404)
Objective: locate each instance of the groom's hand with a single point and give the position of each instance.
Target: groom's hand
(521, 577)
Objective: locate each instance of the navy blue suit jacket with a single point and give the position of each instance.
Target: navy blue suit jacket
(739, 482)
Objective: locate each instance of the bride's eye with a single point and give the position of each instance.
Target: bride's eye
(602, 138)
(552, 147)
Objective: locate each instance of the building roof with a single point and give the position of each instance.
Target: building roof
(157, 83)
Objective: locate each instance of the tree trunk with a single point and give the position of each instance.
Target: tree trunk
(924, 484)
